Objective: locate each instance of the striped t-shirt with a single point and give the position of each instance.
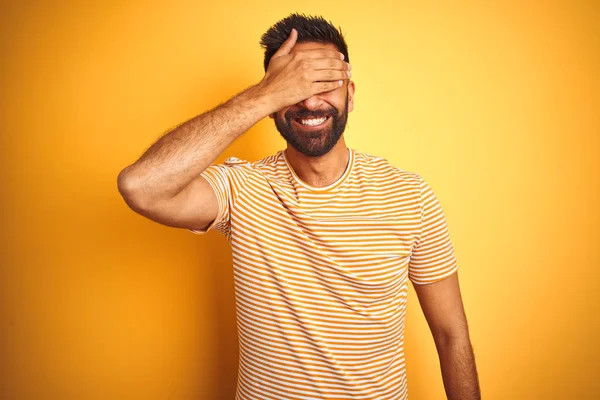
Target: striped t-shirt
(321, 274)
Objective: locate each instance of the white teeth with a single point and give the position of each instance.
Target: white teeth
(313, 121)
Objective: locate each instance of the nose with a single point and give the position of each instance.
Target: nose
(312, 103)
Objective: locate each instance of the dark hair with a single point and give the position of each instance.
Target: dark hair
(310, 29)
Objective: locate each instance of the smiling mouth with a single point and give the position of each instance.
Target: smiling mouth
(311, 122)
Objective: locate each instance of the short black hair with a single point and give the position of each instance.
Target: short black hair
(309, 28)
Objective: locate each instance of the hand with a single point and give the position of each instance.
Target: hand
(291, 78)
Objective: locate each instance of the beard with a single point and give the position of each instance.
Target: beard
(316, 142)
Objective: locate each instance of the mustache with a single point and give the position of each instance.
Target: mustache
(302, 114)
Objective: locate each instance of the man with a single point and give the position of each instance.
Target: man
(324, 238)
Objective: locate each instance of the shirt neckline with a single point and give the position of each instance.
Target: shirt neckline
(334, 185)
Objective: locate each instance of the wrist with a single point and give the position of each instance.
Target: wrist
(264, 99)
(254, 102)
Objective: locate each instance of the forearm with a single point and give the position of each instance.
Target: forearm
(458, 369)
(183, 153)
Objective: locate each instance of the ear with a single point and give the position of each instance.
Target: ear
(351, 89)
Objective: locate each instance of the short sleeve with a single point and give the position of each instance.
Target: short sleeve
(227, 180)
(433, 257)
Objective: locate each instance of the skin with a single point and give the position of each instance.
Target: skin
(165, 183)
(442, 306)
(324, 170)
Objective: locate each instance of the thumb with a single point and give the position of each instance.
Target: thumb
(287, 46)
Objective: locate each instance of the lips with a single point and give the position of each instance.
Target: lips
(312, 121)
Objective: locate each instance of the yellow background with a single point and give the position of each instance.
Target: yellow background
(496, 105)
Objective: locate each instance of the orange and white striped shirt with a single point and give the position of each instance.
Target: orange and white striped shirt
(321, 274)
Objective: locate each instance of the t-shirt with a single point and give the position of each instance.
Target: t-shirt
(321, 274)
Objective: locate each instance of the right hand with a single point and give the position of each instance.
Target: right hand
(292, 78)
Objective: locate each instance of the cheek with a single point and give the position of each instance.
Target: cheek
(336, 98)
(280, 115)
(279, 118)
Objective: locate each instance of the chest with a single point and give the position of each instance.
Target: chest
(363, 237)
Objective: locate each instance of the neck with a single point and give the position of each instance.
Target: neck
(320, 171)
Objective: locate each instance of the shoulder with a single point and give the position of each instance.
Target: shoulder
(236, 163)
(380, 167)
(271, 159)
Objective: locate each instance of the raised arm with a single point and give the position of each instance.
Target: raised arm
(165, 183)
(443, 308)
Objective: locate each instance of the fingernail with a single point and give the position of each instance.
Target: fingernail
(349, 67)
(349, 74)
(342, 56)
(340, 83)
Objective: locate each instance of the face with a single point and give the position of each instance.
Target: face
(315, 125)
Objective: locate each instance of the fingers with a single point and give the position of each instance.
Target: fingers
(330, 63)
(321, 87)
(325, 75)
(323, 53)
(287, 46)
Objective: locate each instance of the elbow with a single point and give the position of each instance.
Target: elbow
(125, 182)
(451, 337)
(130, 190)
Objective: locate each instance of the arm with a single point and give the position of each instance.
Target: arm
(443, 308)
(165, 183)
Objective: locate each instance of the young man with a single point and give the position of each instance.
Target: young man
(324, 238)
